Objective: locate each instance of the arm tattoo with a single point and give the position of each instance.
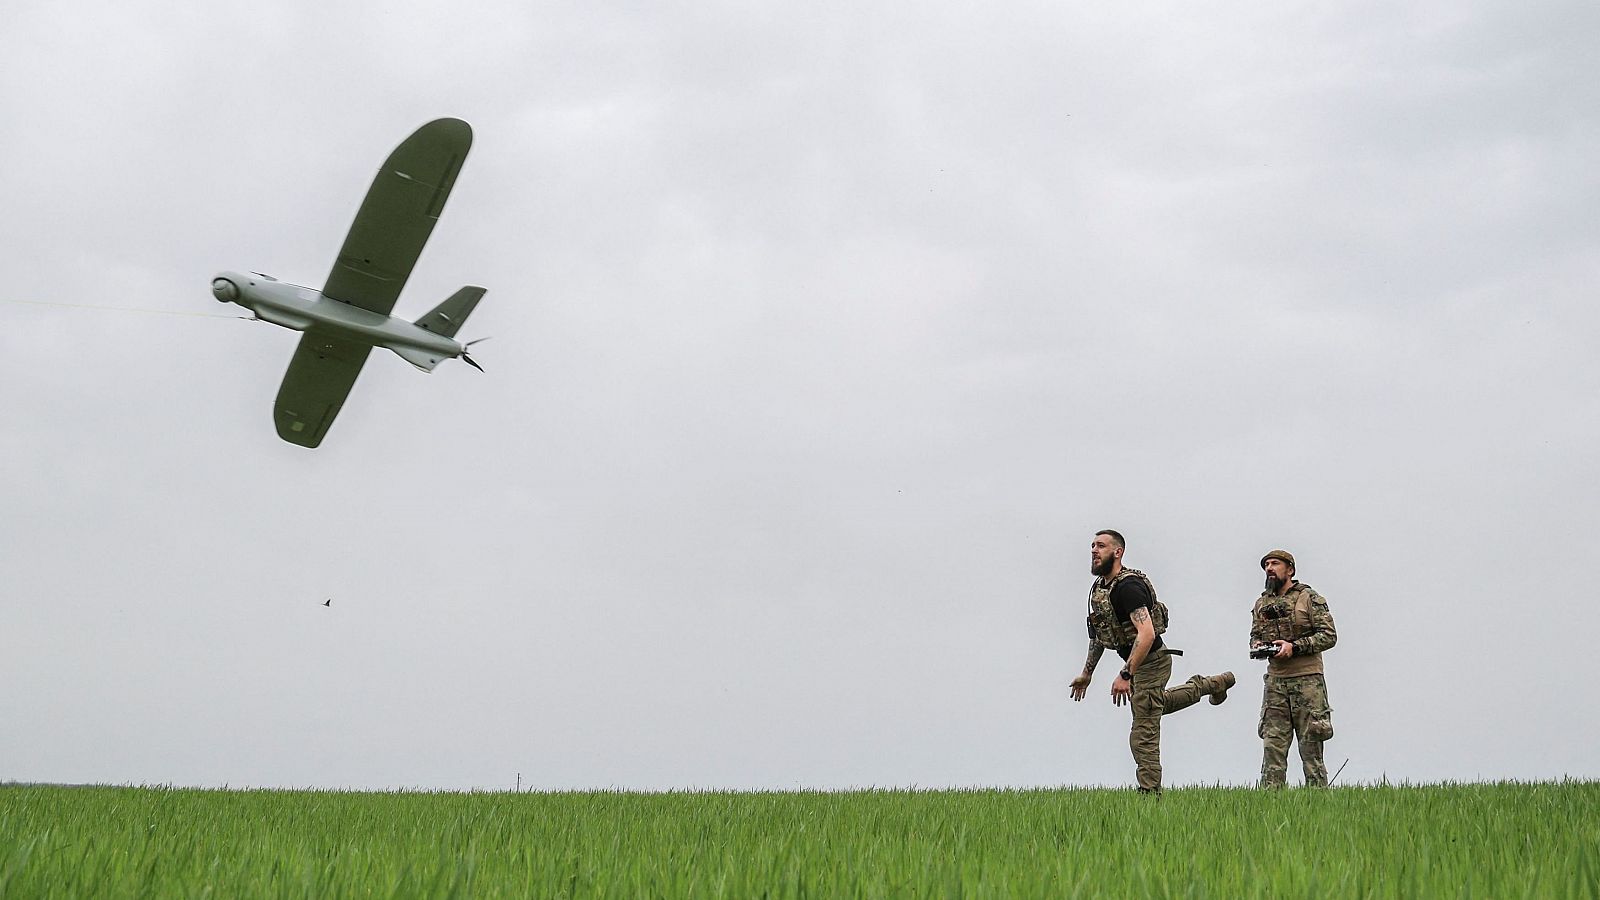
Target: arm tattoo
(1139, 615)
(1095, 649)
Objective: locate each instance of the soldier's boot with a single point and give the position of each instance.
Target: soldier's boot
(1215, 685)
(1227, 681)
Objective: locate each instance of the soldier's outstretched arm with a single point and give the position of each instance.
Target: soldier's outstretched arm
(1080, 685)
(1323, 635)
(1093, 659)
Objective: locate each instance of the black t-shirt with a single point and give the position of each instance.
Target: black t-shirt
(1129, 595)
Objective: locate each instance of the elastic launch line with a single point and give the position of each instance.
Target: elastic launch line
(162, 312)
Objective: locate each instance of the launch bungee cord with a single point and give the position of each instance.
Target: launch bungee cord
(132, 309)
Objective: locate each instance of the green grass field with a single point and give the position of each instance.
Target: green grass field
(1478, 840)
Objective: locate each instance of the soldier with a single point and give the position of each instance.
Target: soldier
(1125, 615)
(1290, 627)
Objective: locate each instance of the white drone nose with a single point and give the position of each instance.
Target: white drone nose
(225, 290)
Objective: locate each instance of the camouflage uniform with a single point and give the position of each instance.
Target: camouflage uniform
(1150, 698)
(1294, 704)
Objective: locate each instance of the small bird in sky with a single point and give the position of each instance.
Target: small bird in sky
(328, 602)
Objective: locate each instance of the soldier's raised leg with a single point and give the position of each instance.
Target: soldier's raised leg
(1152, 699)
(1189, 693)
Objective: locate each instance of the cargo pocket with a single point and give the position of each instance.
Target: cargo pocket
(1320, 725)
(1146, 703)
(1261, 722)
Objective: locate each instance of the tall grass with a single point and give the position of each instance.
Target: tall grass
(1477, 840)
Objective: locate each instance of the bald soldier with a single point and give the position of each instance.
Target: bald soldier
(1125, 615)
(1291, 627)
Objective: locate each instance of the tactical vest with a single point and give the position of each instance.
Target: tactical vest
(1287, 618)
(1275, 620)
(1103, 616)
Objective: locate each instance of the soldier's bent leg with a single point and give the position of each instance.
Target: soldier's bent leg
(1275, 730)
(1189, 693)
(1144, 739)
(1183, 696)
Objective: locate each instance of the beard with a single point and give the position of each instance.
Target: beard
(1102, 568)
(1273, 584)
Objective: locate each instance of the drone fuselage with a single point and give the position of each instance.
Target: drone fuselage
(305, 309)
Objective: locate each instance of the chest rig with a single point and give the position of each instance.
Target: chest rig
(1283, 618)
(1103, 616)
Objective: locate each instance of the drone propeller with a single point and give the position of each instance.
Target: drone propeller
(467, 358)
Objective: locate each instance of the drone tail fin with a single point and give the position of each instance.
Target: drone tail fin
(448, 317)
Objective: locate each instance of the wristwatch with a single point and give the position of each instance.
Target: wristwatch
(1126, 675)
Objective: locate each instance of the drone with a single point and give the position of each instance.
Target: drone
(351, 314)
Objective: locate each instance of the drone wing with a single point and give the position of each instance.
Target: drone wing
(395, 220)
(319, 378)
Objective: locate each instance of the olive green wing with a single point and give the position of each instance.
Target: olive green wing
(398, 215)
(319, 379)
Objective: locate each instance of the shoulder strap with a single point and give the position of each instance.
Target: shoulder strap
(1135, 573)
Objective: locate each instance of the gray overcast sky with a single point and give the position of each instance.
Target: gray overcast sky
(825, 337)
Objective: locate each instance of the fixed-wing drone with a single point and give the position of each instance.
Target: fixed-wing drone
(350, 315)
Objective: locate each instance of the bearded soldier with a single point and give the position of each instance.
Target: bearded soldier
(1290, 627)
(1125, 615)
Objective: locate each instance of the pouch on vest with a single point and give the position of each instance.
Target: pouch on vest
(1276, 621)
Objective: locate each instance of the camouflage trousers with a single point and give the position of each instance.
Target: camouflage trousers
(1295, 707)
(1151, 699)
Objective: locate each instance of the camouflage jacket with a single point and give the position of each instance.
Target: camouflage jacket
(1299, 616)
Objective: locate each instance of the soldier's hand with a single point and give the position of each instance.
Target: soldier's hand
(1120, 689)
(1285, 649)
(1080, 686)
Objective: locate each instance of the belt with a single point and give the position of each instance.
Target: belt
(1127, 651)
